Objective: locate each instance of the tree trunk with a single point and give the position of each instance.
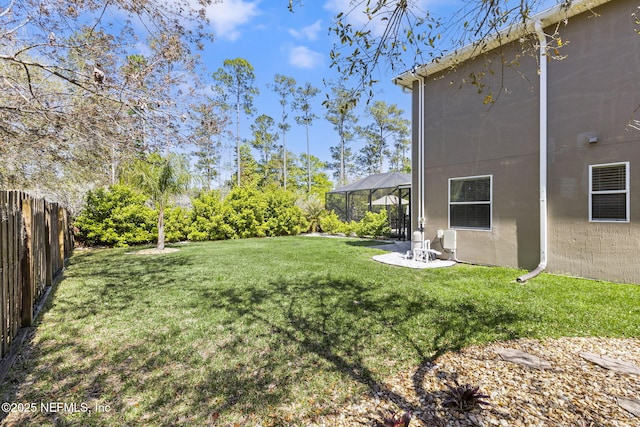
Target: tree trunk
(284, 165)
(308, 161)
(239, 169)
(160, 245)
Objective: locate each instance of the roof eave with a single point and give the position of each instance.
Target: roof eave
(547, 18)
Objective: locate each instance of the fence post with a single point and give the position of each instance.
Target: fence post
(47, 245)
(35, 240)
(14, 261)
(39, 252)
(61, 230)
(27, 264)
(4, 278)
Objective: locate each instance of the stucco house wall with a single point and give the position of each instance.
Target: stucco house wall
(465, 137)
(592, 92)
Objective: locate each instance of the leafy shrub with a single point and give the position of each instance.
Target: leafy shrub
(282, 216)
(177, 223)
(245, 212)
(373, 225)
(253, 213)
(313, 209)
(207, 219)
(349, 228)
(331, 224)
(116, 216)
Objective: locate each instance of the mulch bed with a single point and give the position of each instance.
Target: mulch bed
(571, 392)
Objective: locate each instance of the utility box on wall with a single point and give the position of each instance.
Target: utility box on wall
(449, 242)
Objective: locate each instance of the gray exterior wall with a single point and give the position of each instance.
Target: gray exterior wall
(593, 91)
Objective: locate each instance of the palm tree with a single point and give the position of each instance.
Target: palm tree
(160, 178)
(313, 209)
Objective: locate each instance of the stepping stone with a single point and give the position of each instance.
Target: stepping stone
(616, 365)
(631, 405)
(522, 358)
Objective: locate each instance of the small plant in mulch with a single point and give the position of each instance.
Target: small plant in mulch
(464, 398)
(393, 419)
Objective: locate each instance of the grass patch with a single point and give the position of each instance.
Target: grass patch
(275, 331)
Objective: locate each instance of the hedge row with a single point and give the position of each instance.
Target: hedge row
(119, 216)
(372, 225)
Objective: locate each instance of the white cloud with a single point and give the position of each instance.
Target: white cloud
(227, 16)
(309, 32)
(143, 49)
(354, 14)
(303, 57)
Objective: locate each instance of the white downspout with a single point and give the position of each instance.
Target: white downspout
(421, 172)
(543, 156)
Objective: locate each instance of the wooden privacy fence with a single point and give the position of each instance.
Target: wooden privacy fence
(35, 240)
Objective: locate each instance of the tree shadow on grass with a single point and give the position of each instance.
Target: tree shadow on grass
(73, 364)
(270, 348)
(116, 278)
(354, 330)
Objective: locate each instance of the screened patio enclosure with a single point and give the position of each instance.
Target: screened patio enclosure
(390, 191)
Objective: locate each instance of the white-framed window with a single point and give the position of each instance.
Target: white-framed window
(470, 201)
(609, 192)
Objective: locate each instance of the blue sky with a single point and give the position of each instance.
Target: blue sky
(297, 44)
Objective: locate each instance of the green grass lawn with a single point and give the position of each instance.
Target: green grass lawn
(275, 331)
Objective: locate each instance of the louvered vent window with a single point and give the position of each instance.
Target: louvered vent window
(609, 192)
(470, 202)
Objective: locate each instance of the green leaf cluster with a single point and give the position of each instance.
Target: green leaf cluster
(177, 223)
(208, 218)
(371, 225)
(119, 216)
(331, 224)
(255, 213)
(116, 216)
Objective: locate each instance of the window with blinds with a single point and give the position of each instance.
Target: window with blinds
(470, 202)
(609, 192)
